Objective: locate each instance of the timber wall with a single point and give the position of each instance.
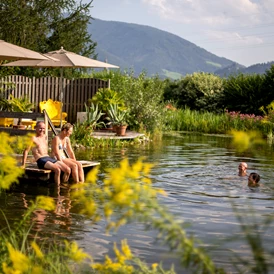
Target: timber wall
(75, 92)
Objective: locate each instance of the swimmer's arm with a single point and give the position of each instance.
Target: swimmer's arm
(69, 150)
(25, 155)
(55, 149)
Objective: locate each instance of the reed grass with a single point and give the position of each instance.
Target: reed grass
(207, 122)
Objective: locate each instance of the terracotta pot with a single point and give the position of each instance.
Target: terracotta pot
(114, 127)
(20, 126)
(121, 130)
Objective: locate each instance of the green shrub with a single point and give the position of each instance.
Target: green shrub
(199, 91)
(143, 97)
(244, 93)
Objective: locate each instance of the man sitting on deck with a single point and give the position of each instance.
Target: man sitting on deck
(40, 153)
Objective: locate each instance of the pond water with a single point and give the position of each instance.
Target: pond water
(199, 174)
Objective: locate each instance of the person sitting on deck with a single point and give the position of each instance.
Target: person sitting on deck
(40, 153)
(60, 143)
(242, 169)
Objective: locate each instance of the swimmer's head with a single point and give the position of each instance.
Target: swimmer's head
(242, 167)
(253, 178)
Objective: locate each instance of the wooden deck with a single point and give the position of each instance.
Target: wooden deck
(32, 167)
(108, 134)
(34, 174)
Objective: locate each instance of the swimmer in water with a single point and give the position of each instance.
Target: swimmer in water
(242, 169)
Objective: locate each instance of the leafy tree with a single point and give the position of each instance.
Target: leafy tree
(268, 86)
(199, 91)
(46, 25)
(244, 93)
(170, 87)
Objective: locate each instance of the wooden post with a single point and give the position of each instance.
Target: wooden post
(46, 124)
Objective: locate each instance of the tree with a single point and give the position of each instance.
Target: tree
(200, 91)
(244, 93)
(46, 25)
(268, 85)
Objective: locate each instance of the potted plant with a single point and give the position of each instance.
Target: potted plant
(118, 118)
(93, 116)
(105, 97)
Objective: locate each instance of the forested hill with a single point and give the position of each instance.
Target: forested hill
(155, 51)
(236, 68)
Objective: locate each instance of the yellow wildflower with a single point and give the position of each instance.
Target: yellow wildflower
(147, 168)
(44, 202)
(89, 208)
(146, 181)
(119, 256)
(124, 165)
(20, 261)
(92, 175)
(244, 140)
(162, 192)
(37, 270)
(154, 266)
(108, 211)
(37, 250)
(136, 169)
(75, 253)
(9, 270)
(126, 250)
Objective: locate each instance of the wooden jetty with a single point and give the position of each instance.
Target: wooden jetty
(32, 167)
(108, 134)
(33, 173)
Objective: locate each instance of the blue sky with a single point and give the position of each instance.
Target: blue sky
(240, 30)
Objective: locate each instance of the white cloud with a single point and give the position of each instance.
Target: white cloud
(210, 12)
(268, 5)
(160, 6)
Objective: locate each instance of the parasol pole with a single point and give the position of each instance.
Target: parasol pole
(61, 96)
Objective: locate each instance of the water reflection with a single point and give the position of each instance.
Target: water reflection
(200, 175)
(45, 225)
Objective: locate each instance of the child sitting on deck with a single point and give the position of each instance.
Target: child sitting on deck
(60, 144)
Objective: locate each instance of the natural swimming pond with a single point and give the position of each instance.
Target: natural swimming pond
(199, 174)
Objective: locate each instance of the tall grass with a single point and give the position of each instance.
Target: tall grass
(207, 122)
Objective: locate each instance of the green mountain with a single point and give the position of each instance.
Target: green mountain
(235, 69)
(144, 48)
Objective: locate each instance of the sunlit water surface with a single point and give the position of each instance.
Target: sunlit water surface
(199, 174)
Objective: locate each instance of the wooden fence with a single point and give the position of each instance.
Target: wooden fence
(75, 92)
